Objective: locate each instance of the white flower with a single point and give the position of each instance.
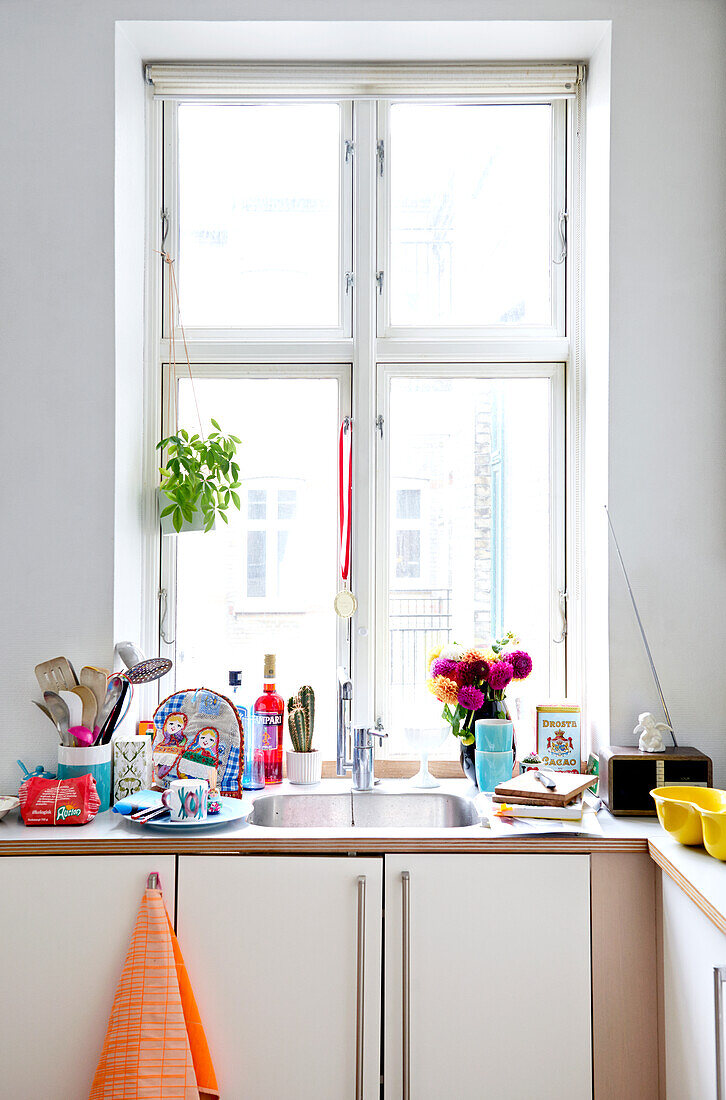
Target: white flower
(452, 652)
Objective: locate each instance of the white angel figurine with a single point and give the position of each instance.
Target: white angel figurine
(651, 737)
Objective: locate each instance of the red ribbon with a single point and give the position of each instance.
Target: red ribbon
(345, 493)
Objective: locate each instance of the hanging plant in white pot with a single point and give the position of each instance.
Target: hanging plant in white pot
(198, 481)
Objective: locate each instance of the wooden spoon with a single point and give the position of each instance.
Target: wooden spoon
(90, 705)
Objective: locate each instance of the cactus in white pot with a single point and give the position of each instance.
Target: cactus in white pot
(304, 763)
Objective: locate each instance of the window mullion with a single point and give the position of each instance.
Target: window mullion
(364, 413)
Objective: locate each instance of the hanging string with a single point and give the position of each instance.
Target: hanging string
(173, 322)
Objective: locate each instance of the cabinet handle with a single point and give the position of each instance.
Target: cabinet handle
(406, 977)
(719, 977)
(360, 987)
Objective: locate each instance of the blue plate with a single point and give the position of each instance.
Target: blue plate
(233, 809)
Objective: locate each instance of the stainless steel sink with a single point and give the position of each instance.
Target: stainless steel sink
(303, 811)
(367, 810)
(430, 810)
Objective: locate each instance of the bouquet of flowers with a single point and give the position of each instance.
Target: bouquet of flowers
(464, 679)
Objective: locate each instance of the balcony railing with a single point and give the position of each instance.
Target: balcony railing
(417, 620)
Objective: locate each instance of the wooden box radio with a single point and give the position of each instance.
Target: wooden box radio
(627, 776)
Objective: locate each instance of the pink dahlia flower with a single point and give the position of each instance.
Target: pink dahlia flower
(470, 698)
(521, 663)
(444, 666)
(500, 675)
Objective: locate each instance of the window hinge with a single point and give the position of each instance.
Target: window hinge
(379, 429)
(562, 594)
(349, 150)
(379, 281)
(349, 281)
(381, 154)
(562, 233)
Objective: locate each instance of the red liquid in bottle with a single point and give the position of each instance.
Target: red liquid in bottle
(268, 714)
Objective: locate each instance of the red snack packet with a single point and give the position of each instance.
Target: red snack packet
(72, 801)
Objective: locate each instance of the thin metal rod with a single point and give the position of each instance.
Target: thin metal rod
(641, 627)
(719, 975)
(406, 991)
(360, 988)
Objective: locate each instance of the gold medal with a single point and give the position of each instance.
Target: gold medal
(345, 604)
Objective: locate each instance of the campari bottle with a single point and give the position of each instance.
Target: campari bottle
(267, 718)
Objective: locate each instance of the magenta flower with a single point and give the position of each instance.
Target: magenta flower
(470, 698)
(443, 666)
(472, 672)
(500, 675)
(521, 663)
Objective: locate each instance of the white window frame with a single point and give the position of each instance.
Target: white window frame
(361, 355)
(558, 202)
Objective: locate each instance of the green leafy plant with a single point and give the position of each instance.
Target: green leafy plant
(199, 475)
(301, 719)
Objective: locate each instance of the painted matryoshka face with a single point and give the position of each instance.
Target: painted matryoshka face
(207, 741)
(174, 726)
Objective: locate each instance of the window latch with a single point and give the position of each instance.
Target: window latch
(381, 154)
(379, 281)
(562, 234)
(349, 281)
(349, 150)
(562, 594)
(379, 425)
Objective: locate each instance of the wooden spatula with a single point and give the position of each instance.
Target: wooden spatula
(96, 679)
(90, 706)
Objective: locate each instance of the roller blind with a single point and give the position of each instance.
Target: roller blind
(370, 79)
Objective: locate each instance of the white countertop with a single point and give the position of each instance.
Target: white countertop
(698, 874)
(113, 834)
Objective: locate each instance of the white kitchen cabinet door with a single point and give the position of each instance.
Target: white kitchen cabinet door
(272, 943)
(692, 947)
(65, 927)
(499, 977)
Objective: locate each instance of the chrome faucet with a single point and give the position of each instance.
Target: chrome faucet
(361, 762)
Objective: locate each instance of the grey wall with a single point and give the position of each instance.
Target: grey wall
(667, 324)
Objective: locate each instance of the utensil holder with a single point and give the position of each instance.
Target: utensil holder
(95, 761)
(304, 767)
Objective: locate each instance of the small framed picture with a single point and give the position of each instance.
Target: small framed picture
(558, 737)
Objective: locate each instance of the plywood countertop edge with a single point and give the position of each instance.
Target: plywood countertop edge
(319, 846)
(688, 888)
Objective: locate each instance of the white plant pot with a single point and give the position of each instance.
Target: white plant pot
(304, 767)
(167, 522)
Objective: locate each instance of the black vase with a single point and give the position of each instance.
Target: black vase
(491, 708)
(468, 761)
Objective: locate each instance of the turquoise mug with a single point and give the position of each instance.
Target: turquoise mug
(95, 760)
(494, 734)
(493, 768)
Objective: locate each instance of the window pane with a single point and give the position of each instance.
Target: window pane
(259, 214)
(256, 504)
(470, 214)
(481, 558)
(260, 585)
(408, 554)
(408, 504)
(256, 563)
(286, 503)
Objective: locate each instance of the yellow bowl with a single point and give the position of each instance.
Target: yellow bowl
(693, 816)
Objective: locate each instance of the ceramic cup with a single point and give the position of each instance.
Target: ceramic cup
(186, 799)
(493, 768)
(493, 734)
(95, 760)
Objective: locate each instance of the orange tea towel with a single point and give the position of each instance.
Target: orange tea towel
(155, 1046)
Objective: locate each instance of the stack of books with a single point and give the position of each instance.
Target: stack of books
(542, 794)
